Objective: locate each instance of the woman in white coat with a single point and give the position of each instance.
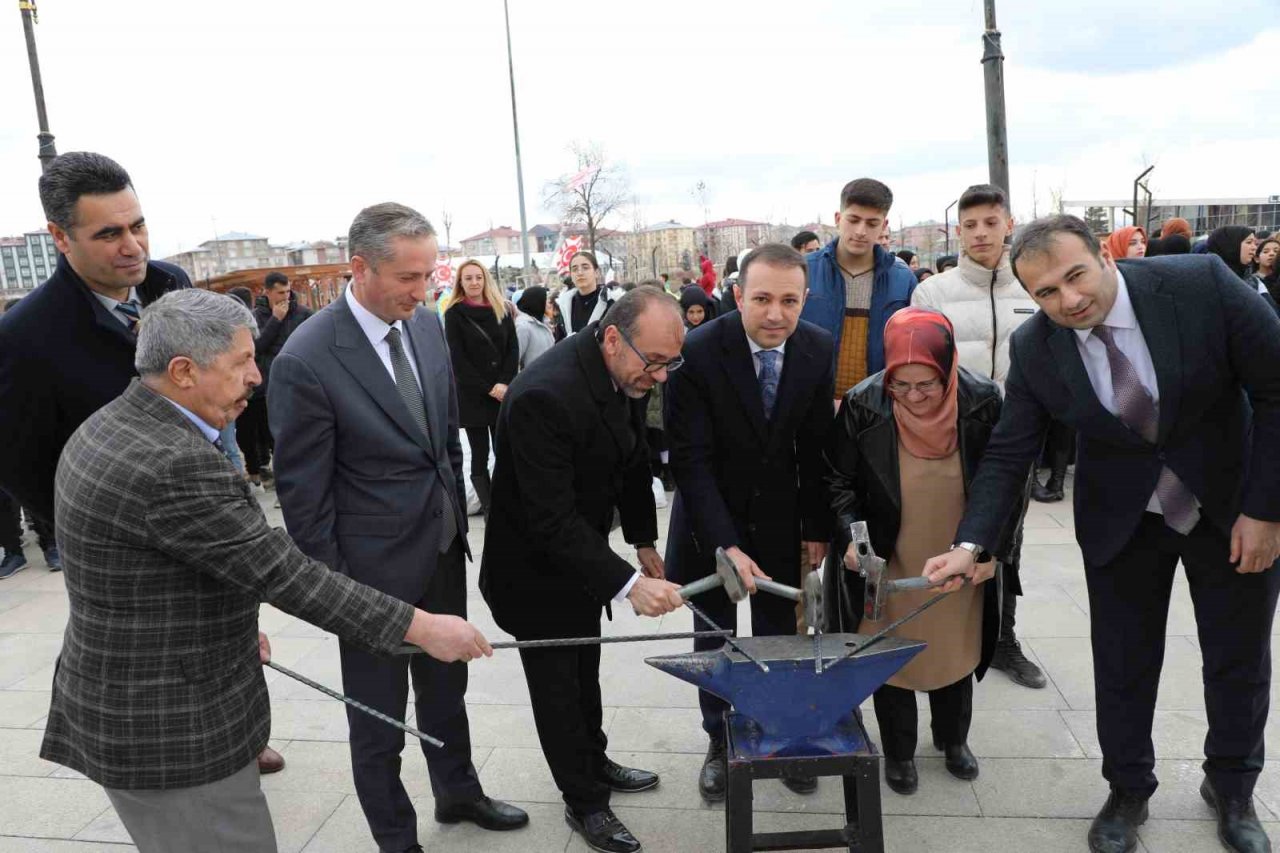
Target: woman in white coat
(587, 302)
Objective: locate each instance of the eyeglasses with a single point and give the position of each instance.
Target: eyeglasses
(901, 389)
(653, 366)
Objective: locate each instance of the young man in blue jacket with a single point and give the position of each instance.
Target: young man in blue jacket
(855, 285)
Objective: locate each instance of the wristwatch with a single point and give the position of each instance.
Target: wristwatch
(641, 545)
(979, 555)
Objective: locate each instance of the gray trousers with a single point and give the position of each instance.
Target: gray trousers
(227, 816)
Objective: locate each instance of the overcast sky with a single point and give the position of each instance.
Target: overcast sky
(285, 118)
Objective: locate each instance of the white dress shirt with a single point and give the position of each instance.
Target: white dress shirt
(375, 329)
(1129, 339)
(756, 349)
(110, 304)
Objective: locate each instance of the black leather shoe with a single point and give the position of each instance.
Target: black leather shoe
(1115, 829)
(1050, 493)
(627, 780)
(1238, 826)
(800, 784)
(901, 776)
(1010, 660)
(602, 831)
(961, 763)
(715, 772)
(485, 813)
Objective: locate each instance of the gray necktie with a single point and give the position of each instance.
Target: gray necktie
(1139, 412)
(768, 380)
(407, 385)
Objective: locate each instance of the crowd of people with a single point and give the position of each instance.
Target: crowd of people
(808, 388)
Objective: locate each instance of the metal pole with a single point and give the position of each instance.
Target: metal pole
(993, 74)
(946, 223)
(47, 150)
(515, 128)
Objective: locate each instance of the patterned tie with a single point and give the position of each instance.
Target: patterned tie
(412, 396)
(132, 312)
(217, 443)
(768, 380)
(1139, 412)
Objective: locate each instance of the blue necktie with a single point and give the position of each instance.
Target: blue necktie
(132, 312)
(768, 380)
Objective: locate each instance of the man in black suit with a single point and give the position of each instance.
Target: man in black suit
(369, 473)
(1169, 371)
(570, 448)
(746, 420)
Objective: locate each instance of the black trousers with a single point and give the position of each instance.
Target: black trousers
(564, 689)
(1129, 606)
(771, 616)
(253, 434)
(11, 526)
(438, 689)
(478, 438)
(950, 712)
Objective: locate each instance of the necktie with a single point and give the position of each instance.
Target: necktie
(132, 312)
(768, 380)
(407, 385)
(217, 443)
(1139, 412)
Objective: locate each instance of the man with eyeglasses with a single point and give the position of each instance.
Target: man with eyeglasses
(746, 421)
(570, 448)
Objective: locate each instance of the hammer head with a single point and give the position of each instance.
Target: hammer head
(734, 586)
(811, 595)
(861, 543)
(877, 590)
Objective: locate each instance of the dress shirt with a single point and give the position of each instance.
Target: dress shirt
(756, 349)
(375, 329)
(111, 304)
(1129, 339)
(206, 430)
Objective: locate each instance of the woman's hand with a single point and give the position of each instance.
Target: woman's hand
(498, 391)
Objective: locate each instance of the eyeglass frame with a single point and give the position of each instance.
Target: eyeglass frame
(934, 385)
(652, 366)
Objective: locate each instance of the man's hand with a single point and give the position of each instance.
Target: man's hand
(747, 568)
(1255, 545)
(280, 309)
(654, 597)
(264, 648)
(651, 565)
(949, 570)
(447, 638)
(498, 391)
(816, 552)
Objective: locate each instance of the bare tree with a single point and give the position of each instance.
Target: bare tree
(446, 218)
(589, 195)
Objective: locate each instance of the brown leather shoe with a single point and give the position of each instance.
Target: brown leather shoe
(270, 761)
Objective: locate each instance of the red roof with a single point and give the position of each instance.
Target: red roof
(730, 223)
(500, 231)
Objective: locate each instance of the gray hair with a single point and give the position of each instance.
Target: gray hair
(374, 228)
(1037, 237)
(198, 324)
(74, 174)
(626, 312)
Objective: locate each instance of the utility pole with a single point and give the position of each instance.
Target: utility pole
(993, 74)
(47, 151)
(515, 127)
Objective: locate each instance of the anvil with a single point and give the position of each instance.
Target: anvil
(796, 710)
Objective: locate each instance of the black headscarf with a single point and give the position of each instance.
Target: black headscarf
(691, 296)
(534, 302)
(1225, 243)
(1174, 244)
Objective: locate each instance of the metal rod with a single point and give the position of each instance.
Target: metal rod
(515, 128)
(880, 635)
(378, 715)
(47, 150)
(585, 641)
(697, 611)
(993, 81)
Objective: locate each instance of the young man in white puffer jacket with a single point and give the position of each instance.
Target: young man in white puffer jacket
(985, 303)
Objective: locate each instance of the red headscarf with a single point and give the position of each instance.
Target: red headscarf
(1118, 241)
(920, 336)
(1177, 225)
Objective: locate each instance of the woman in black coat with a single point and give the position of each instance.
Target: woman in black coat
(485, 353)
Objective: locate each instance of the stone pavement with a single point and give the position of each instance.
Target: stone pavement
(1040, 782)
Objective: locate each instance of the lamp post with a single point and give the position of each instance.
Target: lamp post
(946, 223)
(47, 150)
(993, 74)
(515, 128)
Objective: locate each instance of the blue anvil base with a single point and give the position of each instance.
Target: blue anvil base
(748, 741)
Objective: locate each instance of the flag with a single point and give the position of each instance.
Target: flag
(580, 179)
(569, 246)
(443, 275)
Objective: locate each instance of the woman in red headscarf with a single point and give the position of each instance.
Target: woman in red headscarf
(905, 447)
(1127, 242)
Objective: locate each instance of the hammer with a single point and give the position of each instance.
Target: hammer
(874, 569)
(727, 576)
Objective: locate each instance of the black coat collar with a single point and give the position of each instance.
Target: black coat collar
(611, 402)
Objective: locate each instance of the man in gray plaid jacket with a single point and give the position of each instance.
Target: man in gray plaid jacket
(158, 694)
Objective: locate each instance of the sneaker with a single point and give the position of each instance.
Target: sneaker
(257, 488)
(1010, 660)
(53, 559)
(13, 562)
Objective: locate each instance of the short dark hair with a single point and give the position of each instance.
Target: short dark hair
(591, 256)
(75, 174)
(244, 294)
(867, 192)
(946, 262)
(1036, 237)
(774, 255)
(906, 255)
(274, 278)
(625, 313)
(982, 194)
(803, 239)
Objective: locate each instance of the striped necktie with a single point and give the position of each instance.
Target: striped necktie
(132, 312)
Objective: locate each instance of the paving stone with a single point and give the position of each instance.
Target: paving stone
(1188, 836)
(9, 599)
(1175, 734)
(1024, 733)
(509, 725)
(1049, 536)
(21, 709)
(41, 613)
(21, 655)
(20, 754)
(46, 845)
(1068, 662)
(1048, 610)
(658, 730)
(682, 832)
(50, 808)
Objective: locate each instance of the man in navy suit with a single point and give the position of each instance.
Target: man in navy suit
(1169, 371)
(746, 420)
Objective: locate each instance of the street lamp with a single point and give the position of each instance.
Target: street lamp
(47, 151)
(946, 223)
(515, 128)
(993, 78)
